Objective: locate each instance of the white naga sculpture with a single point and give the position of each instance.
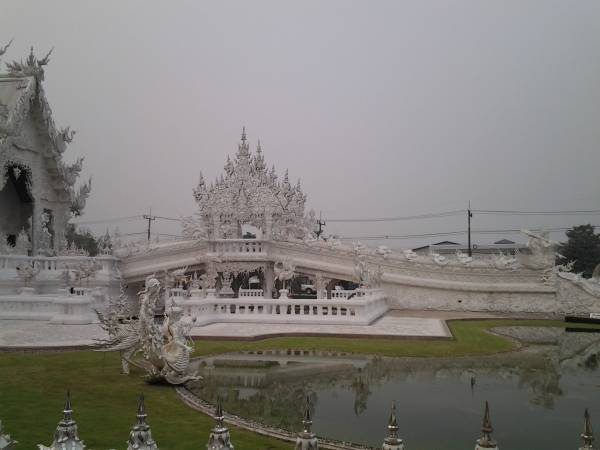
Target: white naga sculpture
(284, 271)
(542, 248)
(165, 350)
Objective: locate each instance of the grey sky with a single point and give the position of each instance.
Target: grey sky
(382, 108)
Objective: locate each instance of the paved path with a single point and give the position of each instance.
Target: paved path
(25, 333)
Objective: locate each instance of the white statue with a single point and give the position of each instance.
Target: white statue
(383, 250)
(542, 248)
(284, 271)
(440, 260)
(27, 273)
(463, 258)
(165, 350)
(410, 255)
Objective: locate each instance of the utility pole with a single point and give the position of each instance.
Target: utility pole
(321, 225)
(469, 215)
(149, 217)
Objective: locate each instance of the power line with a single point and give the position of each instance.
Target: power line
(536, 213)
(448, 233)
(394, 219)
(113, 220)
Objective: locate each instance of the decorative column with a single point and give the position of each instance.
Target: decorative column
(486, 441)
(307, 440)
(269, 282)
(268, 232)
(392, 441)
(36, 225)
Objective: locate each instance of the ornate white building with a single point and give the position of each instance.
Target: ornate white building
(247, 194)
(37, 188)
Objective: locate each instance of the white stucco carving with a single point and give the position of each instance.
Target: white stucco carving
(250, 194)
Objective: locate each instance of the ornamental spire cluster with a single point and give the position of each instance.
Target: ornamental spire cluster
(219, 438)
(247, 193)
(66, 435)
(392, 441)
(486, 441)
(307, 440)
(588, 433)
(140, 437)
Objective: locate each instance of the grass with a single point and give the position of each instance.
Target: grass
(32, 386)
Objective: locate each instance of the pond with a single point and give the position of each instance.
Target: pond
(537, 395)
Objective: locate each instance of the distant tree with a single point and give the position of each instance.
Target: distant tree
(83, 239)
(583, 247)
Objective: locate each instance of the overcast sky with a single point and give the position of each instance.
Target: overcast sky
(382, 108)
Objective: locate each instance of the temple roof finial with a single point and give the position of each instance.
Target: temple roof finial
(140, 436)
(307, 440)
(244, 134)
(486, 441)
(307, 419)
(141, 412)
(219, 438)
(392, 442)
(588, 433)
(68, 409)
(219, 417)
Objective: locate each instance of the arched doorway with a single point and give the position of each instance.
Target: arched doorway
(15, 196)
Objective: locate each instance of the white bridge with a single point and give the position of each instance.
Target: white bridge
(407, 282)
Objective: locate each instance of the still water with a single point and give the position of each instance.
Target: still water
(537, 395)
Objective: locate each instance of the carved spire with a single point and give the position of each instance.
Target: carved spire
(244, 135)
(66, 434)
(31, 66)
(219, 438)
(588, 433)
(307, 440)
(392, 442)
(486, 441)
(140, 437)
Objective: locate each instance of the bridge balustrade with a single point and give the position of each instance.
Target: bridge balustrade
(251, 293)
(226, 246)
(254, 308)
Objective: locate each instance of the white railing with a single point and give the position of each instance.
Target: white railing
(251, 293)
(237, 246)
(53, 263)
(64, 308)
(359, 310)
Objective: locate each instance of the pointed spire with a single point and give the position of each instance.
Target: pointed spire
(219, 417)
(307, 420)
(307, 440)
(140, 436)
(219, 438)
(244, 134)
(66, 434)
(141, 412)
(392, 442)
(588, 433)
(68, 409)
(486, 441)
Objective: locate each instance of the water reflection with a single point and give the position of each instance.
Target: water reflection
(546, 385)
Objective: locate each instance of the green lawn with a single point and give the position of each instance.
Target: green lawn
(32, 386)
